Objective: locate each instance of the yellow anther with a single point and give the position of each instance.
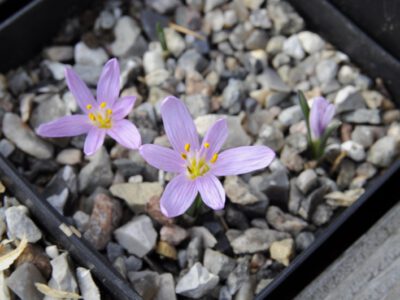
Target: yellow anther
(207, 145)
(184, 156)
(89, 106)
(187, 147)
(92, 117)
(103, 104)
(214, 158)
(109, 112)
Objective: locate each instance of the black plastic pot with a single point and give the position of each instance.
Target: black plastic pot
(372, 49)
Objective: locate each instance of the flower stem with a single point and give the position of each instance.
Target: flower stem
(195, 208)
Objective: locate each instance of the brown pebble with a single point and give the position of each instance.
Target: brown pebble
(166, 250)
(345, 132)
(153, 209)
(35, 254)
(106, 215)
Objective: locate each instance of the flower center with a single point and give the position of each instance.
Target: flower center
(101, 117)
(197, 165)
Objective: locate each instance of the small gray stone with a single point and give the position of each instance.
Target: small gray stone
(309, 204)
(363, 115)
(137, 195)
(137, 236)
(211, 4)
(69, 157)
(347, 74)
(205, 235)
(307, 180)
(346, 174)
(194, 251)
(303, 240)
(106, 20)
(297, 141)
(96, 173)
(48, 110)
(326, 70)
(275, 186)
(291, 115)
(275, 44)
(259, 18)
(81, 220)
(311, 42)
(88, 73)
(284, 17)
(384, 151)
(22, 282)
(146, 283)
(57, 69)
(272, 137)
(191, 60)
(24, 138)
(363, 135)
(354, 150)
(173, 234)
(293, 48)
(240, 192)
(87, 56)
(348, 99)
(62, 277)
(20, 226)
(322, 214)
(218, 263)
(197, 282)
(270, 80)
(59, 53)
(88, 288)
(233, 96)
(126, 33)
(163, 6)
(175, 42)
(291, 159)
(295, 197)
(239, 276)
(167, 288)
(6, 148)
(284, 222)
(256, 240)
(198, 104)
(256, 40)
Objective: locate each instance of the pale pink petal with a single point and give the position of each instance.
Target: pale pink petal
(328, 115)
(162, 158)
(79, 89)
(125, 133)
(123, 107)
(179, 125)
(94, 140)
(242, 160)
(211, 191)
(214, 138)
(65, 126)
(108, 85)
(179, 194)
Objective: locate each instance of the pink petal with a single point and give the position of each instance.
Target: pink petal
(79, 89)
(94, 140)
(179, 194)
(125, 133)
(123, 107)
(215, 138)
(162, 158)
(65, 126)
(178, 124)
(242, 160)
(211, 191)
(108, 85)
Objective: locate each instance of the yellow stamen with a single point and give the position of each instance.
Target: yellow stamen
(109, 112)
(187, 147)
(89, 106)
(214, 158)
(184, 156)
(103, 104)
(207, 145)
(92, 117)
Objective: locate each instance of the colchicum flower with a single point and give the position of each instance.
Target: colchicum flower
(198, 164)
(102, 117)
(319, 123)
(321, 115)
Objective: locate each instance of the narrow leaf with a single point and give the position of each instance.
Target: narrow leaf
(8, 259)
(48, 291)
(303, 104)
(161, 36)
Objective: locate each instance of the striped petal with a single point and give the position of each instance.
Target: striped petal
(79, 89)
(94, 140)
(65, 126)
(162, 158)
(211, 191)
(108, 85)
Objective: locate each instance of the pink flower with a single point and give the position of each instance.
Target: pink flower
(197, 164)
(102, 117)
(321, 115)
